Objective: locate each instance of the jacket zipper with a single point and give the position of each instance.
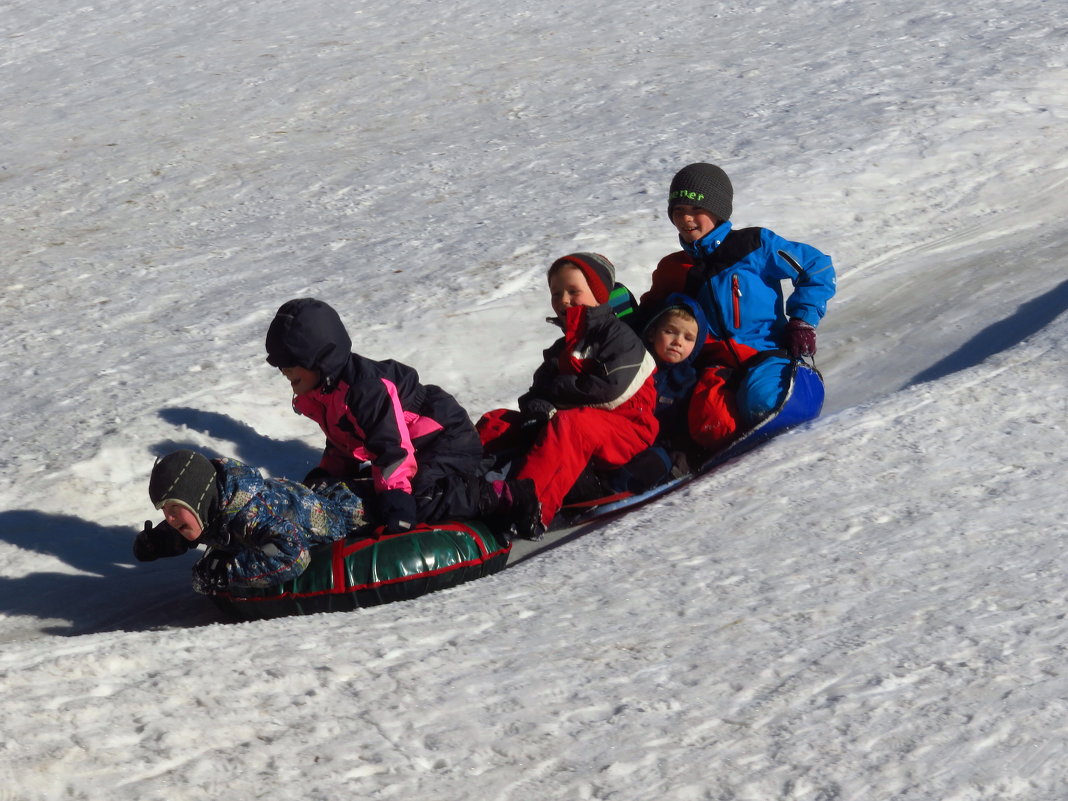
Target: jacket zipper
(736, 291)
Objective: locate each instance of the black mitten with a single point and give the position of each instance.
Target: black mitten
(537, 411)
(162, 540)
(211, 574)
(398, 511)
(317, 479)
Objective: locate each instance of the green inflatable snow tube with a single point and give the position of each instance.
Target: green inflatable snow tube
(371, 569)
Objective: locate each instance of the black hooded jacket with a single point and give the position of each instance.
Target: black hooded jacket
(371, 411)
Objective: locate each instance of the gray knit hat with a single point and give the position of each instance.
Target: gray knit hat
(705, 186)
(600, 273)
(188, 479)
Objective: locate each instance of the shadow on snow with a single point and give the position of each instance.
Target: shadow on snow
(1030, 318)
(101, 586)
(292, 458)
(110, 591)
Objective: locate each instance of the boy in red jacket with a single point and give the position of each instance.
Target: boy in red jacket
(592, 398)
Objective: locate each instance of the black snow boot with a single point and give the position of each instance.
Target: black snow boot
(511, 508)
(525, 512)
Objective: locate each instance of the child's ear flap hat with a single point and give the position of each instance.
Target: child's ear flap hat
(188, 479)
(599, 272)
(705, 186)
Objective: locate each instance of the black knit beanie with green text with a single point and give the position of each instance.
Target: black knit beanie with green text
(705, 186)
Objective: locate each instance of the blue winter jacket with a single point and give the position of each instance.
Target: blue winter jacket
(735, 275)
(268, 525)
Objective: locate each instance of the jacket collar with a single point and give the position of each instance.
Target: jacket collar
(709, 242)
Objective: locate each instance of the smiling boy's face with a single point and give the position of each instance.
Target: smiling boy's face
(301, 379)
(692, 222)
(568, 287)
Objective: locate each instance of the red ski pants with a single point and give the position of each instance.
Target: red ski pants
(575, 437)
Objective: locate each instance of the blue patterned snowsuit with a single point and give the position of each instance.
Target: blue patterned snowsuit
(268, 525)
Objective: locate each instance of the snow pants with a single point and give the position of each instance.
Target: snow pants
(572, 439)
(446, 485)
(726, 399)
(449, 464)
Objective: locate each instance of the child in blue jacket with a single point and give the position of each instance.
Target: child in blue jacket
(735, 276)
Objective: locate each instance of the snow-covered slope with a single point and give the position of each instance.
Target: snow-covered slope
(869, 608)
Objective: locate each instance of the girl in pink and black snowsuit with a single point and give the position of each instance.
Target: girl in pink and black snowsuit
(425, 455)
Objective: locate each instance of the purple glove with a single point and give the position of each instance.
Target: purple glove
(800, 338)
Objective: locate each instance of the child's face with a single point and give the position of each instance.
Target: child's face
(301, 379)
(568, 287)
(674, 339)
(692, 222)
(183, 519)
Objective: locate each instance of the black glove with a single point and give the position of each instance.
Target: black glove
(537, 411)
(163, 540)
(800, 338)
(397, 509)
(317, 479)
(211, 574)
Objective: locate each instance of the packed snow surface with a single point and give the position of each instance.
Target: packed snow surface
(869, 608)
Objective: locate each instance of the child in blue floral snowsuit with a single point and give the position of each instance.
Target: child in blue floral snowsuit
(259, 530)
